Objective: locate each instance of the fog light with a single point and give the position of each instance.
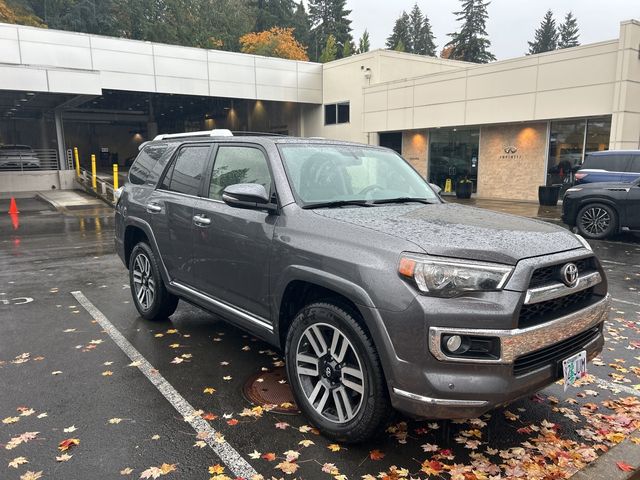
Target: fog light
(454, 342)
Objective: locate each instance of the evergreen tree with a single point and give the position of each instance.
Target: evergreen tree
(363, 43)
(347, 50)
(568, 32)
(470, 43)
(329, 51)
(302, 25)
(400, 46)
(329, 17)
(273, 13)
(546, 36)
(401, 34)
(422, 38)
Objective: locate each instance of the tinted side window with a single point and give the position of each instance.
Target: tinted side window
(185, 174)
(634, 166)
(235, 164)
(611, 163)
(145, 162)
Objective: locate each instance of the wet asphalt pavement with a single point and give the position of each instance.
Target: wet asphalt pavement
(62, 377)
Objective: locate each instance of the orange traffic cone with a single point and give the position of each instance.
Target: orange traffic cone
(13, 207)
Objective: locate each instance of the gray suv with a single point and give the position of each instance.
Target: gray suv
(379, 292)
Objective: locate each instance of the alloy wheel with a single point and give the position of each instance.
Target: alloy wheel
(330, 373)
(595, 220)
(143, 281)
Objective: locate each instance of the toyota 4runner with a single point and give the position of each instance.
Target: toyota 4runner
(379, 292)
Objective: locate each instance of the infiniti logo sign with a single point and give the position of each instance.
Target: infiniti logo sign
(510, 149)
(569, 275)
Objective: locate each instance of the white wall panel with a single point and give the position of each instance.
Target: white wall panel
(74, 81)
(176, 67)
(23, 78)
(121, 45)
(113, 61)
(127, 81)
(183, 86)
(229, 89)
(9, 47)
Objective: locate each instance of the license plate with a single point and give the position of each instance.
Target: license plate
(574, 368)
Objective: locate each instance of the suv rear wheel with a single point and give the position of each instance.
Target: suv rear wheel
(335, 373)
(597, 221)
(150, 295)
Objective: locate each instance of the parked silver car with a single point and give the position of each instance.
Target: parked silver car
(18, 156)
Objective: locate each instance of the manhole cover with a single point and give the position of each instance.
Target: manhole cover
(271, 388)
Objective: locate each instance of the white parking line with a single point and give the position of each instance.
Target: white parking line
(616, 386)
(228, 455)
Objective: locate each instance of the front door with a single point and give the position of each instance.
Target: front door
(171, 208)
(453, 156)
(232, 245)
(633, 206)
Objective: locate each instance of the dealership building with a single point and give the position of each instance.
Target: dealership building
(508, 126)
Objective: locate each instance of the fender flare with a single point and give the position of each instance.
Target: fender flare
(146, 228)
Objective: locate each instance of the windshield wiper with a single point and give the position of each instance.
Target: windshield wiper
(403, 200)
(339, 203)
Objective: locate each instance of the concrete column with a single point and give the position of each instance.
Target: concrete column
(62, 156)
(625, 121)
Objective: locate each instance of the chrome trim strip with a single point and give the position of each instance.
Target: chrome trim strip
(259, 321)
(520, 341)
(557, 289)
(446, 402)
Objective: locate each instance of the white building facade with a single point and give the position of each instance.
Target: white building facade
(508, 126)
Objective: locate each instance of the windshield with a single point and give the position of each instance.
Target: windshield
(338, 173)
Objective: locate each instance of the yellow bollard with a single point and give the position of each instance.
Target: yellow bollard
(115, 176)
(94, 181)
(447, 186)
(77, 160)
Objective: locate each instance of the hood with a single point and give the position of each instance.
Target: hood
(459, 231)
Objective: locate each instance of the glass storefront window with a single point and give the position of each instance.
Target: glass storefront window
(598, 131)
(568, 142)
(453, 154)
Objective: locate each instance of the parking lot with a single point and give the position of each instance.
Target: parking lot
(90, 390)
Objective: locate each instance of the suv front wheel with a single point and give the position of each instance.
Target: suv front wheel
(335, 373)
(597, 221)
(150, 295)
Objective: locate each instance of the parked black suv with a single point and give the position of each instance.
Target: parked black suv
(378, 292)
(600, 210)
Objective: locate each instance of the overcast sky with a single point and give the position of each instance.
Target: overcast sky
(511, 22)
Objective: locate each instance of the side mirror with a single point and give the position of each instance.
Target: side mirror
(436, 188)
(247, 195)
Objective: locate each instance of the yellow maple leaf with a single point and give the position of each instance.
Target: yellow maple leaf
(334, 447)
(216, 469)
(10, 420)
(18, 461)
(288, 467)
(29, 475)
(615, 437)
(107, 373)
(167, 468)
(306, 443)
(209, 390)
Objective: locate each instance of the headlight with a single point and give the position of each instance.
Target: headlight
(573, 189)
(584, 243)
(442, 277)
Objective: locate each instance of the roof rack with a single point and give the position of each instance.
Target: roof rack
(243, 133)
(216, 132)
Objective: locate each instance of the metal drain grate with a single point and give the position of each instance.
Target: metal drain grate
(265, 388)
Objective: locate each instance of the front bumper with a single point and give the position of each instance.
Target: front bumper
(465, 389)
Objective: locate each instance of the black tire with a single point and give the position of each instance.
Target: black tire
(158, 304)
(597, 221)
(373, 406)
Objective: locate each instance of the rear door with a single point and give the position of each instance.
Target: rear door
(233, 245)
(633, 206)
(171, 209)
(633, 168)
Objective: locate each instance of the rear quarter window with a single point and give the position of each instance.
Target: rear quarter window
(634, 166)
(610, 163)
(146, 161)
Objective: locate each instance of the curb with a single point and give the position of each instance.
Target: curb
(605, 468)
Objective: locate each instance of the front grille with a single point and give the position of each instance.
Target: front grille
(541, 312)
(553, 354)
(546, 275)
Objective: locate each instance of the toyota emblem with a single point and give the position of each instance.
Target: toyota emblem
(569, 275)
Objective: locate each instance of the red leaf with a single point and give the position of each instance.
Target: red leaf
(625, 467)
(376, 455)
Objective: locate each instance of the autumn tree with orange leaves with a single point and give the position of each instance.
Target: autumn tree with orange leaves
(276, 42)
